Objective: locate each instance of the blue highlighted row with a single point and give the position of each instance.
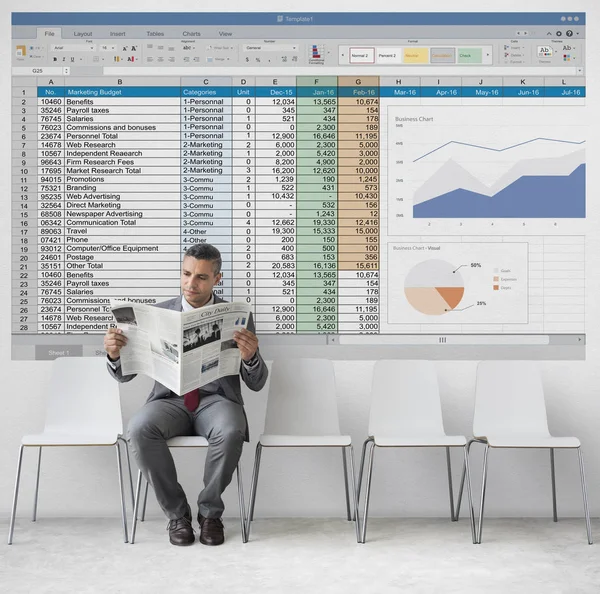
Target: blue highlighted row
(193, 93)
(482, 92)
(206, 92)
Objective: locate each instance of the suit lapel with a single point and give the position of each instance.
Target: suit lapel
(177, 304)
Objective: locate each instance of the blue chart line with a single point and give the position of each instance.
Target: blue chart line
(495, 150)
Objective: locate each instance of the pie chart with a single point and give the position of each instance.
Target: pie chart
(434, 287)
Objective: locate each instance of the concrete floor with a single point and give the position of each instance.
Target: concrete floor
(316, 556)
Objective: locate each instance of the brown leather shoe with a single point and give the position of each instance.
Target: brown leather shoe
(211, 530)
(180, 530)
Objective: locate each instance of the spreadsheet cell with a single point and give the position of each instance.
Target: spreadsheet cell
(274, 303)
(72, 273)
(74, 133)
(167, 263)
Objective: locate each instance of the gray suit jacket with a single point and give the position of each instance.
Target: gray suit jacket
(229, 385)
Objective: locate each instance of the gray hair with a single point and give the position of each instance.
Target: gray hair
(205, 251)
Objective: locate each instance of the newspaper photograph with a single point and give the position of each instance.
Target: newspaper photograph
(182, 351)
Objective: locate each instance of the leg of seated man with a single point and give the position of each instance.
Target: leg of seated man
(148, 430)
(223, 423)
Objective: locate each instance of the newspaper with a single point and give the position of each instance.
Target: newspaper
(182, 351)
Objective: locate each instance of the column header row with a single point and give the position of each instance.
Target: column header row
(300, 81)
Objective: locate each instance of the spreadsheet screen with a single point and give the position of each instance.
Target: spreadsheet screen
(395, 179)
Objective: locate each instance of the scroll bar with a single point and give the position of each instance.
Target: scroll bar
(439, 339)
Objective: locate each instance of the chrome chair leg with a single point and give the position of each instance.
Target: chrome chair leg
(126, 446)
(37, 486)
(361, 467)
(368, 491)
(462, 481)
(136, 504)
(451, 492)
(243, 520)
(348, 515)
(586, 509)
(469, 495)
(483, 485)
(145, 501)
(122, 490)
(354, 497)
(553, 476)
(15, 496)
(254, 485)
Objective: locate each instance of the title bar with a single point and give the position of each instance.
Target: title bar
(50, 19)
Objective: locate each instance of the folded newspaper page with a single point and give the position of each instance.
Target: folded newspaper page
(182, 351)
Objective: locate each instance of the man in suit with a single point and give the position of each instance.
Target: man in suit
(215, 412)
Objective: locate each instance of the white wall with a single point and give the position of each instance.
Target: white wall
(83, 481)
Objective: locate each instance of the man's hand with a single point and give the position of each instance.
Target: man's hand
(114, 341)
(247, 343)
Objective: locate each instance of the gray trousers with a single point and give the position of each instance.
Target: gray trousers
(221, 421)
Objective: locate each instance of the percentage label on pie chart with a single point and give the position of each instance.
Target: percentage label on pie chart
(434, 287)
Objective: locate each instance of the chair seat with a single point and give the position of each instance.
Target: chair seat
(64, 438)
(187, 441)
(532, 441)
(305, 440)
(425, 441)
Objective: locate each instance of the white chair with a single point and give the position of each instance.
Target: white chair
(302, 412)
(187, 441)
(82, 409)
(510, 412)
(406, 412)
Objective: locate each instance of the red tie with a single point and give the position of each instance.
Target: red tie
(192, 399)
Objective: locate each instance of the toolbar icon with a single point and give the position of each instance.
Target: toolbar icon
(317, 54)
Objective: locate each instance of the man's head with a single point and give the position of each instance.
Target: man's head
(200, 272)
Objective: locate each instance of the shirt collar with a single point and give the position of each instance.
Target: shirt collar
(185, 306)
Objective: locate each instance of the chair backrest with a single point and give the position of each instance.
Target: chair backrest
(82, 397)
(509, 399)
(302, 398)
(405, 399)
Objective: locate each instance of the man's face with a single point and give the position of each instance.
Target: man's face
(197, 280)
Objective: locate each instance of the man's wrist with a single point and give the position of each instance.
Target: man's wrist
(111, 359)
(252, 361)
